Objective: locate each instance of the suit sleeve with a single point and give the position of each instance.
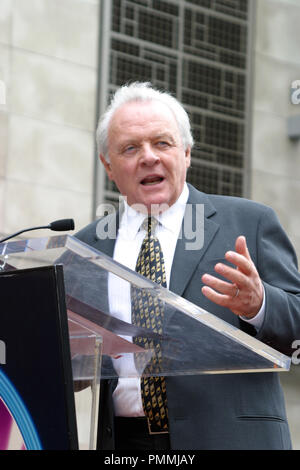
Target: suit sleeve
(278, 269)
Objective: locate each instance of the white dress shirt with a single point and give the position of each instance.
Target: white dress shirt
(127, 395)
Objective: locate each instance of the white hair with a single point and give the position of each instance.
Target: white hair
(142, 91)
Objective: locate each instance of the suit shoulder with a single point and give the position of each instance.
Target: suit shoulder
(235, 203)
(102, 228)
(229, 203)
(88, 233)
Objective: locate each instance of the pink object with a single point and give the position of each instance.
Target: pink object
(10, 435)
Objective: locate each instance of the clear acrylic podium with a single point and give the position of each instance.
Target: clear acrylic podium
(97, 291)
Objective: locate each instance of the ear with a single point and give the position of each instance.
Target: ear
(188, 157)
(107, 166)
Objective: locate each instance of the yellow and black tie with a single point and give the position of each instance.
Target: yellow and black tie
(147, 312)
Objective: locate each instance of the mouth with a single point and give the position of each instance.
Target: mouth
(152, 180)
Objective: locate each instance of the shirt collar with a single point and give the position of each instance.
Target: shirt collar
(171, 219)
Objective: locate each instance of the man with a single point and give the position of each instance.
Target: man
(145, 143)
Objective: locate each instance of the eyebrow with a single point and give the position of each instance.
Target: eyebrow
(165, 135)
(135, 140)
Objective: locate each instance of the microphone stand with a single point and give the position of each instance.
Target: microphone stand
(58, 226)
(22, 231)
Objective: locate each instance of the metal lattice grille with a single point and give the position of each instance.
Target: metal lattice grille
(197, 49)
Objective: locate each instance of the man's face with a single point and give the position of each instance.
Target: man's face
(147, 160)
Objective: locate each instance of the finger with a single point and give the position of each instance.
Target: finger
(221, 286)
(241, 257)
(235, 304)
(215, 297)
(240, 261)
(241, 247)
(220, 299)
(235, 276)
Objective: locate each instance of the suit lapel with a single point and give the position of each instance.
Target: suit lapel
(186, 260)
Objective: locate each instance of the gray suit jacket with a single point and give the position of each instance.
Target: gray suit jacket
(230, 411)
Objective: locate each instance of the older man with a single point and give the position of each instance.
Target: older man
(145, 143)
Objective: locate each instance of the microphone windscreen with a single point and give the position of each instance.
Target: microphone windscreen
(62, 225)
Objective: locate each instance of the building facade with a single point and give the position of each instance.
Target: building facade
(200, 52)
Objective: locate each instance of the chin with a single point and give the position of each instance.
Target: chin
(155, 203)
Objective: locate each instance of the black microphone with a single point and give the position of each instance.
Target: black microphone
(61, 225)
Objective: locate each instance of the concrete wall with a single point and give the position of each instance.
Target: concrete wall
(48, 59)
(275, 158)
(275, 166)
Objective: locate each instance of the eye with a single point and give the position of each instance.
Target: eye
(162, 144)
(129, 148)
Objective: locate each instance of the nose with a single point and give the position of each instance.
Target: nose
(148, 155)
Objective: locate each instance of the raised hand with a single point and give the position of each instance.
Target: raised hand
(243, 293)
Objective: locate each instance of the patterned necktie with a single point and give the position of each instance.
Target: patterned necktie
(147, 312)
